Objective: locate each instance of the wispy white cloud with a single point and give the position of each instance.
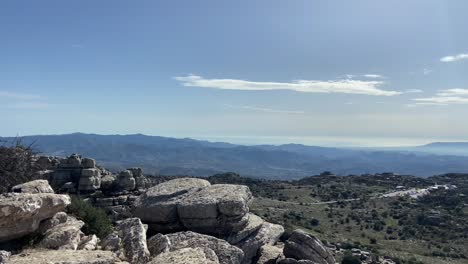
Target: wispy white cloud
(374, 76)
(370, 76)
(414, 91)
(266, 110)
(453, 92)
(305, 86)
(442, 100)
(19, 96)
(427, 71)
(458, 57)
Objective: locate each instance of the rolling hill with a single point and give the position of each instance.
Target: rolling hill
(171, 156)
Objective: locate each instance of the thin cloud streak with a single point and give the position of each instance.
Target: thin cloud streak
(304, 86)
(458, 57)
(266, 110)
(454, 92)
(19, 96)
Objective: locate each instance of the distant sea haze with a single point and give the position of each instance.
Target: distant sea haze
(330, 141)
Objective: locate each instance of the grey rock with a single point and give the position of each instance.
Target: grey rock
(269, 254)
(218, 209)
(133, 234)
(64, 257)
(112, 242)
(158, 205)
(125, 181)
(88, 243)
(88, 163)
(37, 186)
(21, 213)
(107, 182)
(302, 245)
(158, 244)
(254, 224)
(186, 256)
(294, 261)
(4, 256)
(58, 218)
(268, 234)
(90, 180)
(226, 253)
(65, 235)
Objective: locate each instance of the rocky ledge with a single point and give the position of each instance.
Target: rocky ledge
(184, 220)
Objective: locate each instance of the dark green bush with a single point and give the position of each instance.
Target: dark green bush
(349, 259)
(96, 220)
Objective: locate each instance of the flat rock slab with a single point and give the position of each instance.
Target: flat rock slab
(225, 252)
(159, 203)
(37, 186)
(64, 257)
(21, 213)
(185, 256)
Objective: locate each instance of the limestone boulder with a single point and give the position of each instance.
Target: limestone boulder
(125, 181)
(88, 163)
(158, 244)
(267, 234)
(304, 246)
(270, 254)
(4, 256)
(129, 238)
(64, 257)
(88, 243)
(65, 235)
(90, 180)
(254, 223)
(186, 256)
(21, 213)
(225, 252)
(158, 205)
(37, 186)
(217, 209)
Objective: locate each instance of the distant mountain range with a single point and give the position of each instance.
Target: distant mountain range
(171, 156)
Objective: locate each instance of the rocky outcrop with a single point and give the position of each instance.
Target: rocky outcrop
(4, 256)
(88, 243)
(186, 256)
(218, 209)
(90, 180)
(225, 252)
(158, 244)
(303, 246)
(268, 234)
(21, 213)
(269, 254)
(37, 186)
(129, 238)
(65, 235)
(64, 257)
(195, 205)
(158, 205)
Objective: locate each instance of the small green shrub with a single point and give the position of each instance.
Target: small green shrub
(96, 220)
(349, 259)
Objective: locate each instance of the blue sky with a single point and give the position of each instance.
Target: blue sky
(330, 72)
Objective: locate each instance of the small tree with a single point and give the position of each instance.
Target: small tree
(16, 164)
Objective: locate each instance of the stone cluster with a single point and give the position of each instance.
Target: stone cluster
(77, 174)
(192, 222)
